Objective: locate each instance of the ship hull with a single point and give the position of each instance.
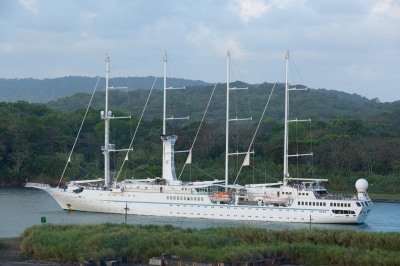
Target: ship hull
(158, 204)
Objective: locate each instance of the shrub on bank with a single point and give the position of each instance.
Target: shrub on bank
(73, 243)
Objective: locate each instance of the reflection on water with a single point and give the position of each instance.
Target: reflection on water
(23, 207)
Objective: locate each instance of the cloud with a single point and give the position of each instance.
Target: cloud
(201, 35)
(386, 8)
(30, 5)
(248, 9)
(255, 9)
(220, 43)
(362, 73)
(7, 48)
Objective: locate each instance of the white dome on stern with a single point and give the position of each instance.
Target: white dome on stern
(362, 187)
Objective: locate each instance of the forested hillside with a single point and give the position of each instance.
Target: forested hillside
(45, 90)
(319, 104)
(353, 138)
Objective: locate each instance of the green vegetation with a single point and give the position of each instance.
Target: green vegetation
(73, 243)
(385, 197)
(45, 90)
(350, 136)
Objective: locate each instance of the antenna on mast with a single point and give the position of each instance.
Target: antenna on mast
(106, 116)
(286, 133)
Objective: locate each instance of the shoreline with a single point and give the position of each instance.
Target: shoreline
(386, 201)
(230, 245)
(10, 254)
(9, 250)
(388, 198)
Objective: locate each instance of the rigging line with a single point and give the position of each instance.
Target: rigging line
(232, 63)
(201, 170)
(130, 111)
(295, 67)
(129, 107)
(312, 152)
(137, 127)
(79, 131)
(190, 173)
(264, 173)
(172, 96)
(201, 123)
(258, 126)
(126, 171)
(83, 169)
(142, 169)
(251, 124)
(237, 69)
(293, 101)
(114, 66)
(297, 148)
(187, 109)
(254, 180)
(171, 62)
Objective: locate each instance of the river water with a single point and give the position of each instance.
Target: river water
(23, 207)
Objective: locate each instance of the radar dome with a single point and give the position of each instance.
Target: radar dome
(362, 185)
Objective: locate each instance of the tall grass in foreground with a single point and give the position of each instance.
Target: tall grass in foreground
(73, 243)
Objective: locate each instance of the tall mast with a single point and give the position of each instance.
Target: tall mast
(228, 57)
(163, 135)
(168, 167)
(165, 93)
(286, 137)
(228, 120)
(106, 117)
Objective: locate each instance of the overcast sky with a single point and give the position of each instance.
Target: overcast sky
(346, 45)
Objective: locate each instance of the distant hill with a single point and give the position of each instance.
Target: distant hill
(318, 104)
(69, 94)
(45, 90)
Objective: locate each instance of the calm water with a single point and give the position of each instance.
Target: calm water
(23, 207)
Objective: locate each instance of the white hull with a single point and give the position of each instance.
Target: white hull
(158, 204)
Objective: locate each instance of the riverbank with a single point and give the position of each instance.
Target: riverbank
(10, 254)
(79, 243)
(9, 249)
(385, 197)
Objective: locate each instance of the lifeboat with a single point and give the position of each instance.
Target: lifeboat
(221, 197)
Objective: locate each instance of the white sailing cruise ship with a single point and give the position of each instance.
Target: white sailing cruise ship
(292, 200)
